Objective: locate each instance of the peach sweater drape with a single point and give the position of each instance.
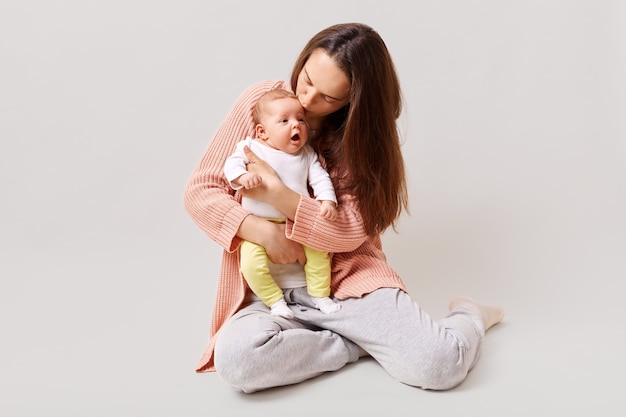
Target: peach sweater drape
(359, 265)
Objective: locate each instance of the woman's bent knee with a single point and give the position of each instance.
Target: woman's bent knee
(440, 370)
(434, 378)
(239, 366)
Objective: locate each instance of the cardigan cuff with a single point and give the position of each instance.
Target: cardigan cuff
(227, 235)
(305, 219)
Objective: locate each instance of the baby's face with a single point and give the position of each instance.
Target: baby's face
(285, 125)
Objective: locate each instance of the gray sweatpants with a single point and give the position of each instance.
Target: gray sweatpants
(255, 350)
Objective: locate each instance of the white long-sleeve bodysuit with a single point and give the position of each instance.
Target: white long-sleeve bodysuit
(295, 171)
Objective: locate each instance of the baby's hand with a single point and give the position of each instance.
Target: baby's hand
(249, 180)
(328, 210)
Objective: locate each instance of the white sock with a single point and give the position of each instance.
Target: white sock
(326, 305)
(279, 308)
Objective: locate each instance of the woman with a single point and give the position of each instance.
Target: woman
(346, 81)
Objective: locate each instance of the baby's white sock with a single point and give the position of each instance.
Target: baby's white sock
(279, 308)
(326, 305)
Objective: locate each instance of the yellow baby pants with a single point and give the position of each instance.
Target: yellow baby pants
(255, 267)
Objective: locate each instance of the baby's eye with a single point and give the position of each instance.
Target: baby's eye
(301, 120)
(284, 120)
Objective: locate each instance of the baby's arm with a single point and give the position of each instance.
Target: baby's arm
(328, 209)
(248, 180)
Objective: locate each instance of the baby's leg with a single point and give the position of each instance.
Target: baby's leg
(255, 268)
(317, 270)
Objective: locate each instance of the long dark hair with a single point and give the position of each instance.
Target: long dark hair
(361, 142)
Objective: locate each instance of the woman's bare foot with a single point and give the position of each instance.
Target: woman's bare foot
(489, 314)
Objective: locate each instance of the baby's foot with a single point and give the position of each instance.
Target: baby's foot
(326, 305)
(280, 308)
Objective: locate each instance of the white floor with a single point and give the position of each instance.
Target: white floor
(516, 152)
(118, 332)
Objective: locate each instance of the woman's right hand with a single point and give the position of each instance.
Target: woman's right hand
(281, 250)
(272, 237)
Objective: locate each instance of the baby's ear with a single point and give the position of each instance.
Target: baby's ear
(260, 131)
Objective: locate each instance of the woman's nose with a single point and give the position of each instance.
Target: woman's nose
(306, 98)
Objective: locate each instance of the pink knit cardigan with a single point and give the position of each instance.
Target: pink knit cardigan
(359, 265)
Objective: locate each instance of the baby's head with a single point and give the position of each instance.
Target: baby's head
(280, 122)
(261, 107)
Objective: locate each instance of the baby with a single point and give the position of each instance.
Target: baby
(281, 141)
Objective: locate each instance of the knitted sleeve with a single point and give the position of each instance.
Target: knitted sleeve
(208, 198)
(344, 234)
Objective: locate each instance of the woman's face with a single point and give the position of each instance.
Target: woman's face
(322, 87)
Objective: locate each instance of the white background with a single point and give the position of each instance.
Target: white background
(515, 143)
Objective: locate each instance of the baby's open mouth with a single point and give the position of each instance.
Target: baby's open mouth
(295, 138)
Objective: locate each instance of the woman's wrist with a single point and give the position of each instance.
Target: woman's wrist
(257, 230)
(285, 200)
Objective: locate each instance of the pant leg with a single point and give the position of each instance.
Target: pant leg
(255, 350)
(317, 270)
(255, 268)
(405, 340)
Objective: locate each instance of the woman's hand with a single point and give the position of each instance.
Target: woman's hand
(270, 180)
(272, 237)
(281, 250)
